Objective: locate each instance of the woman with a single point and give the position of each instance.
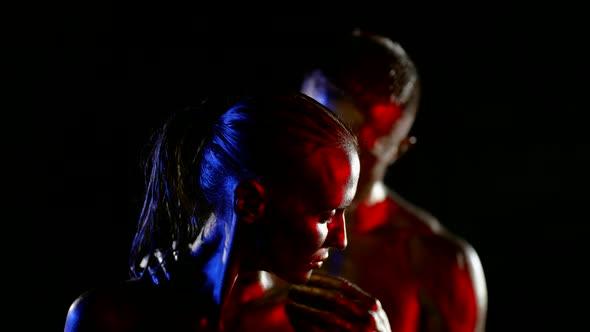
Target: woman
(234, 188)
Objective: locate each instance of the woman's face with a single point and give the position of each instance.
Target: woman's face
(305, 218)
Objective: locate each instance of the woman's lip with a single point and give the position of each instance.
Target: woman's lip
(318, 261)
(316, 264)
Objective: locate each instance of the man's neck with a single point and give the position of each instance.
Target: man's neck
(377, 194)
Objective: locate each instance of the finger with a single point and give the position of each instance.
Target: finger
(369, 307)
(304, 326)
(346, 288)
(380, 322)
(336, 282)
(326, 299)
(308, 319)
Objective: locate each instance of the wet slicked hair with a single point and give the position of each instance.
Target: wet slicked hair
(200, 155)
(371, 67)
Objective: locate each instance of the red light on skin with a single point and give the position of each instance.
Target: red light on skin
(374, 216)
(311, 211)
(379, 122)
(383, 116)
(315, 264)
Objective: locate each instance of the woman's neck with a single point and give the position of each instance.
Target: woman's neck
(213, 255)
(250, 286)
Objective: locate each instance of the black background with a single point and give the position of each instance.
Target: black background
(501, 159)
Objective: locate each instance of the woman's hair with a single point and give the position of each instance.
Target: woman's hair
(368, 67)
(201, 153)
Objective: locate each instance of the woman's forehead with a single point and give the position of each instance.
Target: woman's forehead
(331, 173)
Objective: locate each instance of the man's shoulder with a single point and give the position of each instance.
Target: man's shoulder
(430, 232)
(416, 217)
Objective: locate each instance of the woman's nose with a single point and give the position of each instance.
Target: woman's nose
(337, 233)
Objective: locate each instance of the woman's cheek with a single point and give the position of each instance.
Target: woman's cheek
(321, 234)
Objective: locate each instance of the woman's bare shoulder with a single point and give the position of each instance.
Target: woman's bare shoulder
(138, 306)
(111, 307)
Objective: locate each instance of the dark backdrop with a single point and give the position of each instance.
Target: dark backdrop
(501, 159)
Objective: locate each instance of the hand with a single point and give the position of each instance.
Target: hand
(329, 303)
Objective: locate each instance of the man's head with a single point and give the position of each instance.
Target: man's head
(373, 85)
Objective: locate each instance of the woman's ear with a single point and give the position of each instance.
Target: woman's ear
(249, 200)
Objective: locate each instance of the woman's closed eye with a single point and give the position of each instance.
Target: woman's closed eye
(326, 216)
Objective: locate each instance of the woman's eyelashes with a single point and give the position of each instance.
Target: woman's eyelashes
(326, 216)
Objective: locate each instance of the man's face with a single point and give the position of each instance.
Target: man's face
(380, 128)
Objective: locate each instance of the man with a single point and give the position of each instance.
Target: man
(426, 278)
